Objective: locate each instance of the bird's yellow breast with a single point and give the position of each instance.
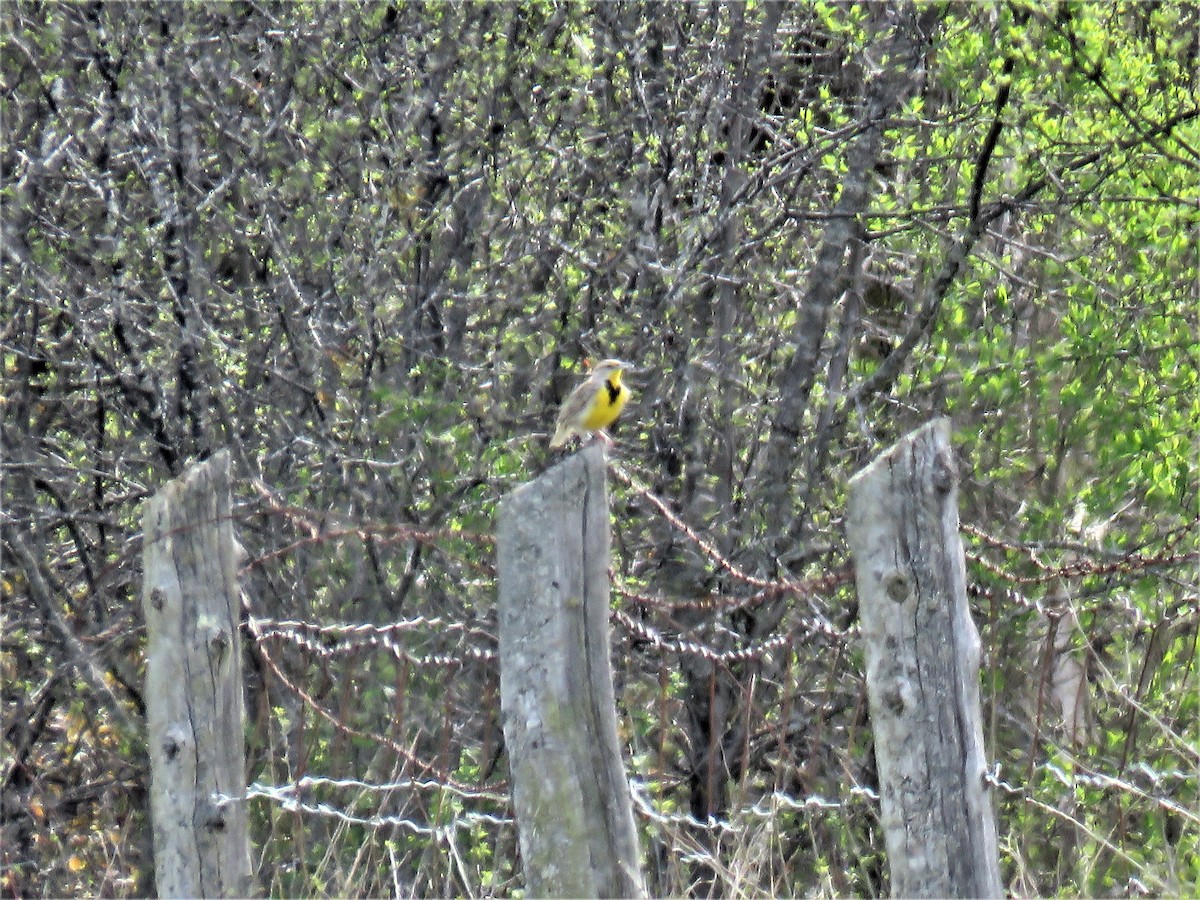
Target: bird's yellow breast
(606, 405)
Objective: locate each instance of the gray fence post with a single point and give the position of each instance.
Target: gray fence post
(194, 707)
(572, 800)
(922, 657)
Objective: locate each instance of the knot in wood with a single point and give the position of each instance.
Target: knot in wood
(174, 741)
(218, 643)
(893, 699)
(945, 472)
(898, 585)
(158, 598)
(214, 817)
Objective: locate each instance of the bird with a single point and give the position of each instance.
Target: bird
(594, 404)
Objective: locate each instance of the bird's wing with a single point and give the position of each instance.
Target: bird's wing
(575, 405)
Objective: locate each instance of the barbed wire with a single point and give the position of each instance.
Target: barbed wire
(340, 639)
(354, 637)
(1053, 606)
(765, 585)
(717, 602)
(1124, 563)
(766, 808)
(992, 779)
(341, 726)
(309, 782)
(756, 651)
(330, 640)
(765, 589)
(323, 629)
(285, 796)
(315, 533)
(476, 644)
(300, 515)
(1111, 782)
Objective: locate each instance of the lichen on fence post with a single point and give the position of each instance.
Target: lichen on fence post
(194, 705)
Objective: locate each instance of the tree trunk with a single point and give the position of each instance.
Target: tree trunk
(573, 806)
(194, 705)
(922, 657)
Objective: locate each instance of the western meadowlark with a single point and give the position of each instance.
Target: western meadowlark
(594, 405)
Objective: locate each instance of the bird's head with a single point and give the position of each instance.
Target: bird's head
(609, 367)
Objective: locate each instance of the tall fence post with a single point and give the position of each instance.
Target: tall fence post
(922, 657)
(570, 792)
(194, 705)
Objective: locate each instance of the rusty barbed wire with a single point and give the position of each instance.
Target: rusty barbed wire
(765, 585)
(1051, 606)
(1126, 563)
(765, 588)
(716, 602)
(386, 534)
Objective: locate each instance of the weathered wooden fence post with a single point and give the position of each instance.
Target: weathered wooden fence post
(922, 657)
(194, 706)
(573, 806)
